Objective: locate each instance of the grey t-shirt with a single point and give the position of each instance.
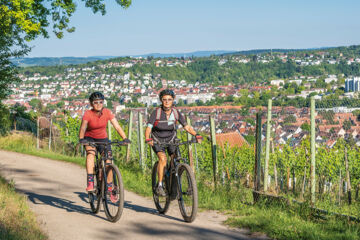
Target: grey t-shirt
(165, 129)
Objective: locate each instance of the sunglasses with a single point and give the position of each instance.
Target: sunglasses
(167, 99)
(98, 102)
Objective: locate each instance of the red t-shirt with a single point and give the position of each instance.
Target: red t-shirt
(97, 123)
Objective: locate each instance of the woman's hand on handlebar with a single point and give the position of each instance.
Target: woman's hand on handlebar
(83, 141)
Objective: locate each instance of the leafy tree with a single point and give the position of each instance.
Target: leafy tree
(347, 125)
(35, 103)
(24, 20)
(305, 127)
(290, 119)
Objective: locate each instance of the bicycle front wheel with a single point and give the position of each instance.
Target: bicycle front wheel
(113, 194)
(188, 197)
(95, 197)
(161, 203)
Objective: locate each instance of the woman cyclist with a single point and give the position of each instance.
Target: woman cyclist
(162, 128)
(93, 129)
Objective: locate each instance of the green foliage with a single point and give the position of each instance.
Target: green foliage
(70, 130)
(305, 127)
(5, 122)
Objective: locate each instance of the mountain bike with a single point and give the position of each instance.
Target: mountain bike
(179, 183)
(113, 205)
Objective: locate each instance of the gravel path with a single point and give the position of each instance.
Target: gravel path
(56, 193)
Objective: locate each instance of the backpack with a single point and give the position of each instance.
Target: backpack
(158, 115)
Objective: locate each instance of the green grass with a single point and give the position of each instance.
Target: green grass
(291, 223)
(275, 220)
(16, 219)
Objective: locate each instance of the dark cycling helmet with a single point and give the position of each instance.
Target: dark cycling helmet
(166, 92)
(96, 96)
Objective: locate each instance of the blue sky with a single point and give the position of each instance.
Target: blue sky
(169, 26)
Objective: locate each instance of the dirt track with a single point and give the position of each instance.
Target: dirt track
(56, 193)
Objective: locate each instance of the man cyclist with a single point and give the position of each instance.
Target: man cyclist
(93, 129)
(162, 128)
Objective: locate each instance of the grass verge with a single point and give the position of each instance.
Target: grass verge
(277, 221)
(16, 219)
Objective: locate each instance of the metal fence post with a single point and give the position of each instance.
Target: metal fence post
(109, 130)
(190, 153)
(213, 147)
(141, 141)
(128, 150)
(312, 120)
(267, 149)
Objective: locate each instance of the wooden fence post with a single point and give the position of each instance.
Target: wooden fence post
(312, 146)
(50, 132)
(213, 147)
(38, 133)
(348, 189)
(257, 176)
(267, 149)
(128, 150)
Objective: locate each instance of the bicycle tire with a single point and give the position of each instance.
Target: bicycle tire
(188, 192)
(113, 209)
(162, 203)
(95, 197)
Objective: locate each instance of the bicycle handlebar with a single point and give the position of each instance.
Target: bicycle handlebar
(176, 143)
(116, 142)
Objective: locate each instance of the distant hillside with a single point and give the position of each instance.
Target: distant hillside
(190, 54)
(53, 61)
(278, 50)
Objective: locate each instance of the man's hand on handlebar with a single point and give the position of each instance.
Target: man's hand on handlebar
(150, 141)
(198, 138)
(127, 141)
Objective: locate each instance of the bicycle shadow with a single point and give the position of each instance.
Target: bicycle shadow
(61, 203)
(133, 207)
(151, 211)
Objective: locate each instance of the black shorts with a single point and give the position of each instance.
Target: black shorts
(101, 148)
(161, 148)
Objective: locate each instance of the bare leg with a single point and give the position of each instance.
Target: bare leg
(90, 157)
(161, 165)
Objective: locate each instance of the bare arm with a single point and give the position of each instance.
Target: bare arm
(147, 136)
(83, 128)
(147, 133)
(190, 130)
(118, 128)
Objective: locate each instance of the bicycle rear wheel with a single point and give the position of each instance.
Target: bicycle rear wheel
(95, 197)
(161, 203)
(113, 197)
(188, 197)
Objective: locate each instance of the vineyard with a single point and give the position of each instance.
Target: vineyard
(277, 163)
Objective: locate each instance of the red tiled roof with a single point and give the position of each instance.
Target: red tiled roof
(234, 139)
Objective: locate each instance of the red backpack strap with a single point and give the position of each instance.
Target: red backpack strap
(158, 116)
(176, 115)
